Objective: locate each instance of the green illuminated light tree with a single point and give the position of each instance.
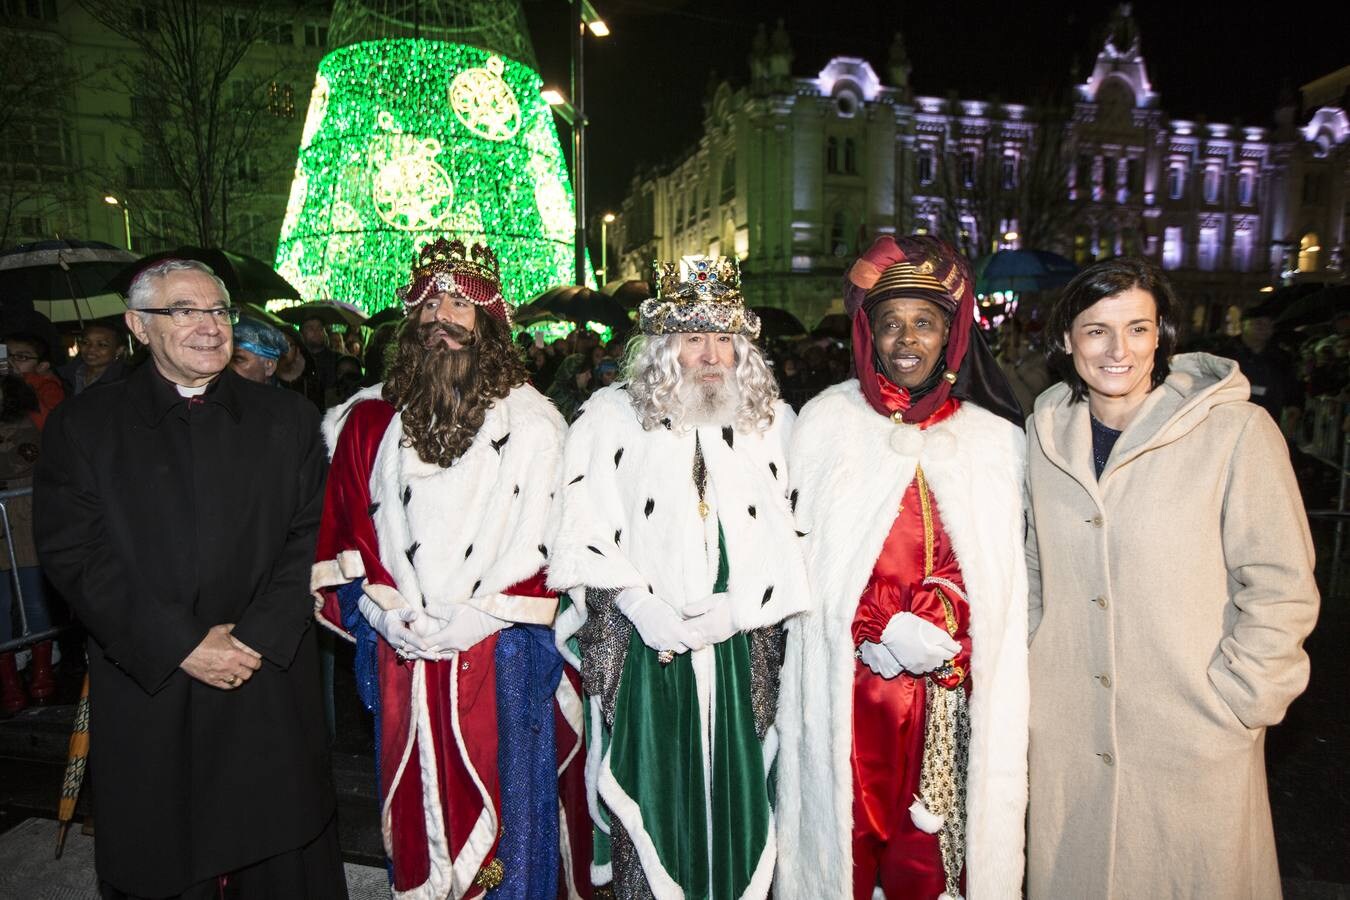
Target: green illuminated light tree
(408, 139)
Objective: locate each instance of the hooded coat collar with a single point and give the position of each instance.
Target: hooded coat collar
(1196, 384)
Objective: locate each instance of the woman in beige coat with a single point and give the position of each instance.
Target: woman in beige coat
(1171, 589)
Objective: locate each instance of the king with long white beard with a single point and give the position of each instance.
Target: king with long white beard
(676, 547)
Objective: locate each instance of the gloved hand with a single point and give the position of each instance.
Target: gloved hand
(713, 619)
(659, 625)
(394, 625)
(917, 644)
(877, 658)
(464, 626)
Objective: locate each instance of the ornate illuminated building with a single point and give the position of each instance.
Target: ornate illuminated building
(792, 171)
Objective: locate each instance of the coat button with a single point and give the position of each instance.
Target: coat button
(1107, 758)
(1097, 521)
(1105, 680)
(464, 667)
(1100, 601)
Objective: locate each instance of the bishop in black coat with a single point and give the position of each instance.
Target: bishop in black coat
(158, 517)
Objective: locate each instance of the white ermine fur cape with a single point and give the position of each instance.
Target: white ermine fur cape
(466, 533)
(850, 467)
(628, 512)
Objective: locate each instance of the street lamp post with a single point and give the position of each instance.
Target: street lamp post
(584, 16)
(126, 214)
(604, 247)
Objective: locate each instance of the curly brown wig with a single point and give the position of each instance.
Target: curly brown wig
(445, 394)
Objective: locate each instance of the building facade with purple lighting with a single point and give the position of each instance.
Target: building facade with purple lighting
(791, 173)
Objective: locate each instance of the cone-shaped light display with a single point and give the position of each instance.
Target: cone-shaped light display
(407, 140)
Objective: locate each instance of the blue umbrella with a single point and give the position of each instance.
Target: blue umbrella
(1022, 270)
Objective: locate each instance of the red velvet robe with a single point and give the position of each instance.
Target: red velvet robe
(888, 714)
(347, 526)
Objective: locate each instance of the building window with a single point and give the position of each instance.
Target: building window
(1308, 249)
(850, 156)
(279, 32)
(316, 35)
(1312, 188)
(729, 178)
(1171, 248)
(968, 168)
(1246, 187)
(1134, 177)
(1176, 182)
(832, 155)
(1242, 249)
(1209, 249)
(1082, 176)
(1008, 177)
(31, 9)
(1211, 185)
(925, 166)
(839, 234)
(146, 18)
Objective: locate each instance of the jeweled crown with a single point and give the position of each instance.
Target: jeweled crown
(457, 257)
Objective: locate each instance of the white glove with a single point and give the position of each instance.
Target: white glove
(917, 644)
(394, 625)
(463, 627)
(659, 625)
(877, 658)
(713, 619)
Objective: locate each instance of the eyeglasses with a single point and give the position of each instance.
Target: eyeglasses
(190, 315)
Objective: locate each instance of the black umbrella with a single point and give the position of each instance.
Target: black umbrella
(58, 270)
(629, 294)
(576, 304)
(835, 325)
(1316, 307)
(247, 278)
(385, 316)
(330, 312)
(776, 322)
(260, 313)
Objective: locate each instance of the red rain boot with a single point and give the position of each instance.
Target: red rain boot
(41, 684)
(12, 698)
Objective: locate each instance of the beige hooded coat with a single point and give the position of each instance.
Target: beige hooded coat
(1169, 603)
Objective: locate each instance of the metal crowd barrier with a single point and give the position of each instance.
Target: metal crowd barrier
(26, 637)
(1328, 442)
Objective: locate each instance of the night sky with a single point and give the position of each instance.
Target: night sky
(645, 82)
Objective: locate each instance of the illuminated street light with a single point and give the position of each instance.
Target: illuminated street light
(605, 220)
(552, 97)
(126, 214)
(592, 20)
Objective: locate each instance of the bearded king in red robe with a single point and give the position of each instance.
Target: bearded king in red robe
(903, 711)
(430, 558)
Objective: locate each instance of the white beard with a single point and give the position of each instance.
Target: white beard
(708, 403)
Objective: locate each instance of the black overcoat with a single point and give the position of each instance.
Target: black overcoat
(158, 519)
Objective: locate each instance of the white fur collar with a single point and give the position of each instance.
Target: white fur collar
(471, 530)
(629, 511)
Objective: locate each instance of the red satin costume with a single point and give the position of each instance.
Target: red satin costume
(347, 525)
(888, 714)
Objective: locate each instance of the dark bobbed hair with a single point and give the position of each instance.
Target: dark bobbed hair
(1106, 279)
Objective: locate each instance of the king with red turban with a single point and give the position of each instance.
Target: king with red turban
(903, 712)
